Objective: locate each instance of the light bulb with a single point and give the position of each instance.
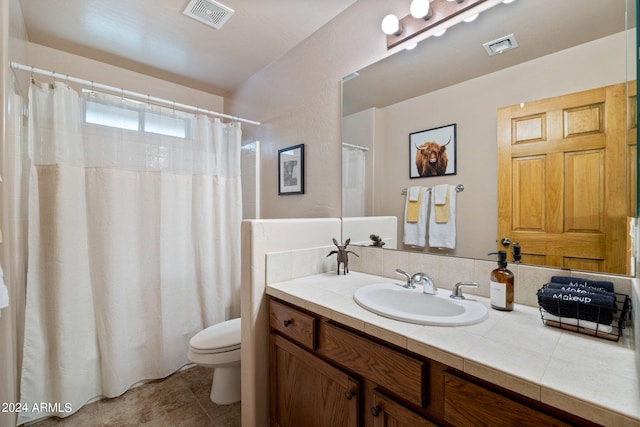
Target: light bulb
(440, 33)
(419, 9)
(391, 25)
(411, 46)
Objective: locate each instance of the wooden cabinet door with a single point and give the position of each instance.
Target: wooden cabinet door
(385, 412)
(562, 179)
(307, 391)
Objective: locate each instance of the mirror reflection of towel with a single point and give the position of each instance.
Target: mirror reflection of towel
(414, 199)
(415, 233)
(441, 202)
(443, 235)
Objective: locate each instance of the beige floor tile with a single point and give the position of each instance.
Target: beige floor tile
(181, 399)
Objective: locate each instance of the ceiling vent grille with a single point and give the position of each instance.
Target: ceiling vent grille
(208, 12)
(501, 45)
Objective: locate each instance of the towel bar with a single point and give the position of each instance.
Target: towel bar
(459, 188)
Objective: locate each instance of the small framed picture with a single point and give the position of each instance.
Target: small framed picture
(432, 152)
(291, 170)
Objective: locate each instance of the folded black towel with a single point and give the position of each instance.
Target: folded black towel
(577, 288)
(592, 306)
(570, 287)
(578, 281)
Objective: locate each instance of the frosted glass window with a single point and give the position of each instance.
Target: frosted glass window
(99, 113)
(118, 115)
(166, 125)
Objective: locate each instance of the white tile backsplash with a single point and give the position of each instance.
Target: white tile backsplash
(289, 265)
(444, 270)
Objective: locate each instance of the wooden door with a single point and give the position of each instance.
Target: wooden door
(562, 179)
(632, 159)
(307, 391)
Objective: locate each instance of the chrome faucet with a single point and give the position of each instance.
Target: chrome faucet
(428, 287)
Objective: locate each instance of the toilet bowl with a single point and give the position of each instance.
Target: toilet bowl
(218, 347)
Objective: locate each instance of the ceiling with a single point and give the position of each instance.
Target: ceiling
(541, 27)
(154, 37)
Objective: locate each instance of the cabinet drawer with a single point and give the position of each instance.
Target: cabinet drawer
(293, 324)
(468, 404)
(397, 373)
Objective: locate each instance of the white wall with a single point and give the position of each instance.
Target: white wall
(88, 69)
(297, 99)
(260, 237)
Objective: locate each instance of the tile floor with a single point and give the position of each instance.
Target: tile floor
(181, 399)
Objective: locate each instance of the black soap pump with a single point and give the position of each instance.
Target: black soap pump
(517, 252)
(501, 284)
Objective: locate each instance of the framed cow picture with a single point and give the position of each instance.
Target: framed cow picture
(432, 152)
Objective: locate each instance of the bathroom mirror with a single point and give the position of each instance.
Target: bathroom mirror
(562, 48)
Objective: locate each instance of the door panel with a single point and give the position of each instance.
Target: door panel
(562, 175)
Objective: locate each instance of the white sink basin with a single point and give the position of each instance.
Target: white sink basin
(412, 305)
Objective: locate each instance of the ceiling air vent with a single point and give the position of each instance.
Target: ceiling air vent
(501, 45)
(208, 12)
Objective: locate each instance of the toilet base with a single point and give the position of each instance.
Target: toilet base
(225, 388)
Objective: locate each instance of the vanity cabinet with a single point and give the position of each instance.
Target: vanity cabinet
(386, 412)
(308, 391)
(325, 374)
(469, 404)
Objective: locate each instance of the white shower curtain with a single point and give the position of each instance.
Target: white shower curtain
(134, 246)
(13, 258)
(353, 181)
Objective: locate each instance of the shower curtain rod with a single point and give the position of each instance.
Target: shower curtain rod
(123, 92)
(357, 147)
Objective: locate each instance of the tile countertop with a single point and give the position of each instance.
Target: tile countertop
(590, 377)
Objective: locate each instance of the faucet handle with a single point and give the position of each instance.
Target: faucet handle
(409, 283)
(456, 293)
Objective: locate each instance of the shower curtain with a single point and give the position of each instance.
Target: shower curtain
(353, 181)
(13, 201)
(134, 244)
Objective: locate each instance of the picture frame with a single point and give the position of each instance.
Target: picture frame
(291, 170)
(432, 152)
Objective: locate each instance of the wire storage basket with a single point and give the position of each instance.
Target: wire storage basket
(603, 321)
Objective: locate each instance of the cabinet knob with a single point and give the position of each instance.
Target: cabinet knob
(348, 394)
(287, 323)
(376, 410)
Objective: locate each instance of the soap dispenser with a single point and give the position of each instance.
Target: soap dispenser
(501, 284)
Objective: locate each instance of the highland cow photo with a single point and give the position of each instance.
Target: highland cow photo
(432, 152)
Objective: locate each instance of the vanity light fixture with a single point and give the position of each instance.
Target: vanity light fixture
(425, 15)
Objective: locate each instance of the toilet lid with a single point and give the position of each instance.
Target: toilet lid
(217, 338)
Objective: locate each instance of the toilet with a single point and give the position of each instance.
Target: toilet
(218, 347)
